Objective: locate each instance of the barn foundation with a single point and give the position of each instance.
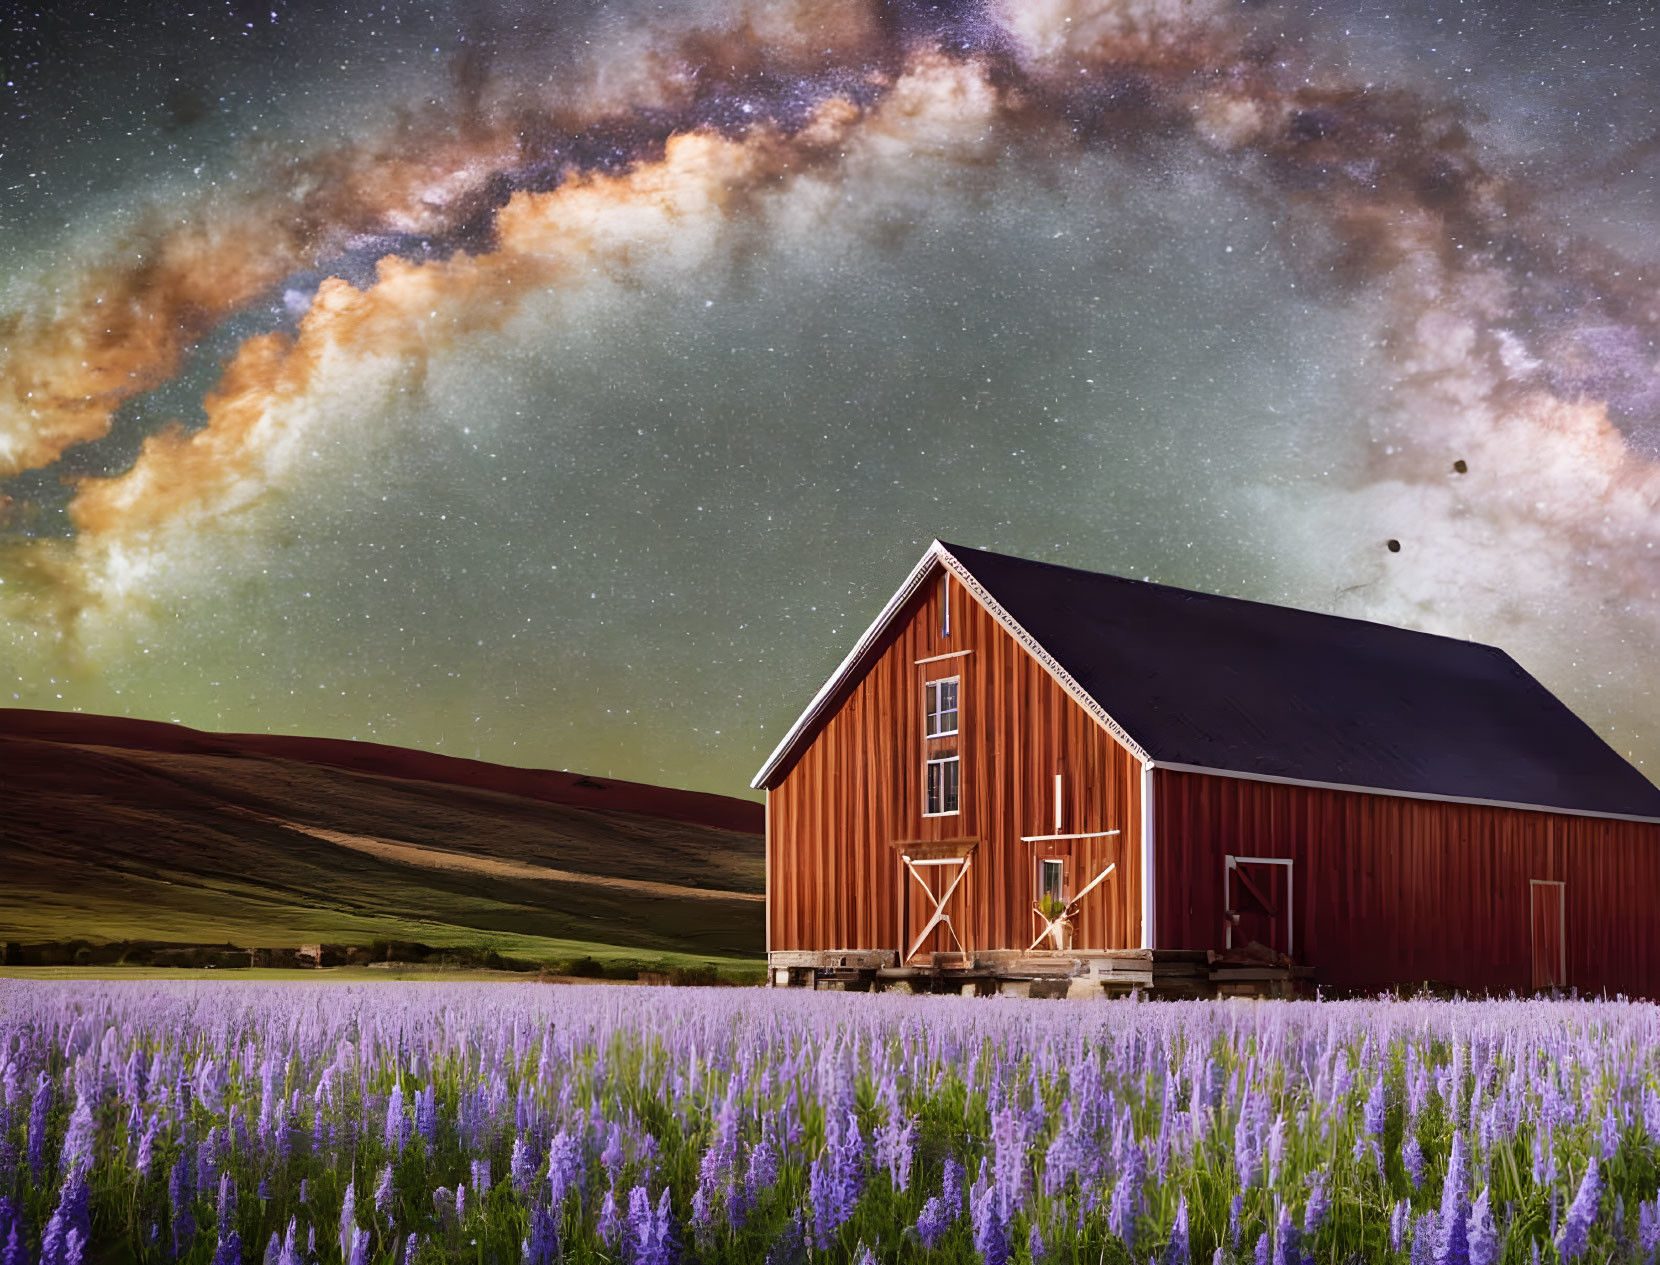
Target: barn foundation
(1077, 974)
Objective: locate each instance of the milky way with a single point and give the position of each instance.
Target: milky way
(569, 387)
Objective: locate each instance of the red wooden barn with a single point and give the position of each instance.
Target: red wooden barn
(1186, 776)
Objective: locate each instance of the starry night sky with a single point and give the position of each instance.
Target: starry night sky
(569, 384)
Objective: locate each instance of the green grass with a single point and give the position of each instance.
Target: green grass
(111, 846)
(728, 970)
(331, 975)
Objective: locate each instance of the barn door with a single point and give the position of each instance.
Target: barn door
(918, 908)
(933, 911)
(1550, 949)
(1257, 894)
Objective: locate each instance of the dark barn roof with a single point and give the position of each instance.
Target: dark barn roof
(1229, 685)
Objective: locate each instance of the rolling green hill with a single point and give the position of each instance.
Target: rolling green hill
(143, 832)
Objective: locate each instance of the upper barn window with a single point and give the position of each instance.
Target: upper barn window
(940, 708)
(945, 605)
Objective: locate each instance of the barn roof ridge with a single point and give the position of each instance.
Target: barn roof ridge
(1207, 596)
(1209, 683)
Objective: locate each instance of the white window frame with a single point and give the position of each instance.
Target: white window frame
(1230, 864)
(1060, 888)
(931, 708)
(927, 773)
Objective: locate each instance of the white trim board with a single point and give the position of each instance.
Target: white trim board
(766, 874)
(936, 658)
(1381, 790)
(1094, 834)
(1149, 862)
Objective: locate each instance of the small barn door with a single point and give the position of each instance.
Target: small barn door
(925, 892)
(934, 909)
(1550, 949)
(1257, 894)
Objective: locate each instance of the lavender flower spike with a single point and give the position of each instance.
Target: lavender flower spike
(1575, 1234)
(1412, 1158)
(542, 1246)
(1177, 1253)
(383, 1192)
(991, 1236)
(1398, 1217)
(1319, 1207)
(78, 1139)
(1286, 1239)
(610, 1226)
(397, 1125)
(1037, 1249)
(653, 1228)
(226, 1211)
(348, 1220)
(290, 1254)
(1483, 1235)
(73, 1216)
(933, 1221)
(1648, 1227)
(1426, 1236)
(39, 1108)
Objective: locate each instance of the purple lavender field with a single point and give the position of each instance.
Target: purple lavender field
(404, 1124)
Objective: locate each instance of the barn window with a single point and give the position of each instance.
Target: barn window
(940, 708)
(945, 605)
(1051, 871)
(943, 785)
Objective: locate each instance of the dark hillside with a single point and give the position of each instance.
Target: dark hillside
(143, 831)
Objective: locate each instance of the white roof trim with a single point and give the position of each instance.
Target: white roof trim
(940, 554)
(913, 582)
(1381, 790)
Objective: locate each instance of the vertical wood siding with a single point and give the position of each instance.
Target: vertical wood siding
(1394, 890)
(834, 881)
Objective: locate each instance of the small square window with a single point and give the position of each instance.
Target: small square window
(940, 708)
(943, 785)
(1051, 877)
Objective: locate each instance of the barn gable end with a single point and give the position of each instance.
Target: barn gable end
(849, 786)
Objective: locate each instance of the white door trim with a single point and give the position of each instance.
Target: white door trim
(1561, 925)
(1229, 864)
